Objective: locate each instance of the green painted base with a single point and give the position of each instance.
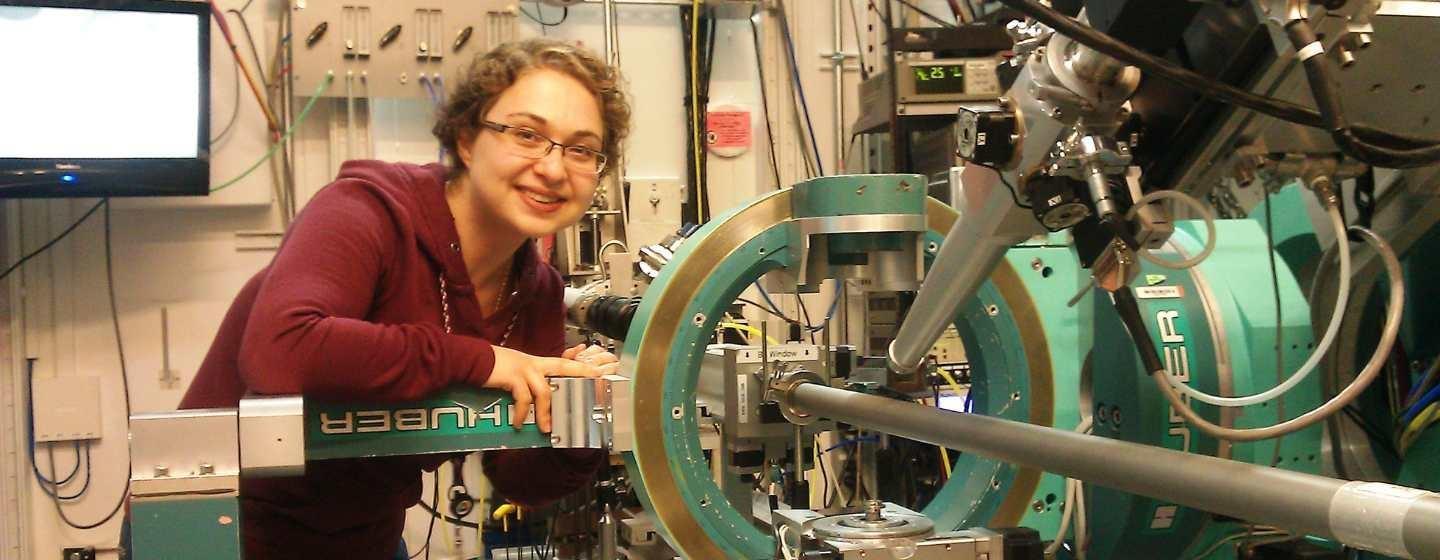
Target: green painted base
(198, 529)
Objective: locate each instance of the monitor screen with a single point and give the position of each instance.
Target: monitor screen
(108, 99)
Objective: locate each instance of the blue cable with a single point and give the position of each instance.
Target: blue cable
(1430, 398)
(800, 87)
(30, 436)
(851, 441)
(834, 303)
(434, 100)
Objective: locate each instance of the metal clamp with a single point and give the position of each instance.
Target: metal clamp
(783, 385)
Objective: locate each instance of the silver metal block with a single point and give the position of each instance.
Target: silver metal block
(583, 411)
(272, 436)
(970, 544)
(184, 451)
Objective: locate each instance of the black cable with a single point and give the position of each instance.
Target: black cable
(75, 470)
(1319, 73)
(430, 532)
(799, 86)
(543, 24)
(764, 96)
(1129, 311)
(54, 489)
(824, 478)
(707, 63)
(859, 44)
(447, 518)
(805, 314)
(925, 14)
(1014, 193)
(691, 209)
(125, 384)
(1385, 442)
(1208, 87)
(1279, 323)
(776, 313)
(52, 242)
(1319, 70)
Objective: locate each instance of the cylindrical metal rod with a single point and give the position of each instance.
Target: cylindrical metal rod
(1381, 517)
(989, 224)
(837, 58)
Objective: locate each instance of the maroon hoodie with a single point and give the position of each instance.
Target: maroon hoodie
(350, 308)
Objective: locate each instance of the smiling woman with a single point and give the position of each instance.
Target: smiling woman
(399, 280)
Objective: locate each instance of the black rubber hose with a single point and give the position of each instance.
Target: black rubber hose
(1319, 70)
(1129, 311)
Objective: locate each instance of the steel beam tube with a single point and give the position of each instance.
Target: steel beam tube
(990, 223)
(1380, 517)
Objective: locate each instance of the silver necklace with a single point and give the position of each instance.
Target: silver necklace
(445, 308)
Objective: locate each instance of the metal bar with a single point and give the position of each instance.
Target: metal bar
(989, 224)
(837, 58)
(1373, 516)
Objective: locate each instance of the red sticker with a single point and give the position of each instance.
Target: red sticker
(728, 129)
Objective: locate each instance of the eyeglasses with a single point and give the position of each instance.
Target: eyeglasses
(530, 144)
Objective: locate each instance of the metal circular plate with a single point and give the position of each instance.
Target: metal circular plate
(853, 526)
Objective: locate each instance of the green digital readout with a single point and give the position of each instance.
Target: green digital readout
(939, 78)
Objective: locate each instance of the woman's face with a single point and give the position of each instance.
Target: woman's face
(535, 197)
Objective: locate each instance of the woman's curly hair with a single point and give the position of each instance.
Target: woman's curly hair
(492, 73)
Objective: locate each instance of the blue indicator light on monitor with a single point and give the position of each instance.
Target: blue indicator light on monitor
(67, 178)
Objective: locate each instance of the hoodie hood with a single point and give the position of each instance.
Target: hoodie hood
(419, 191)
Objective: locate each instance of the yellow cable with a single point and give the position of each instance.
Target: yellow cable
(1417, 426)
(695, 106)
(955, 387)
(748, 329)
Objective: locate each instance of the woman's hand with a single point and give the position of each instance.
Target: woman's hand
(595, 356)
(523, 376)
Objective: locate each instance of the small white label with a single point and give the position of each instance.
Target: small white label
(1160, 292)
(1164, 517)
(742, 397)
(781, 353)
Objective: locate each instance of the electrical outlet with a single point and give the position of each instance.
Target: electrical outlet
(85, 553)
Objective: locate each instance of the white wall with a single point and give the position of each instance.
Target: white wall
(182, 254)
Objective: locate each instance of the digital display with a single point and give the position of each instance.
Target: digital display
(939, 78)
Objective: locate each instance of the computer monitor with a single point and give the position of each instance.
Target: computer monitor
(104, 98)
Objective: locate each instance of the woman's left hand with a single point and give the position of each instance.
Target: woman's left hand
(594, 356)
